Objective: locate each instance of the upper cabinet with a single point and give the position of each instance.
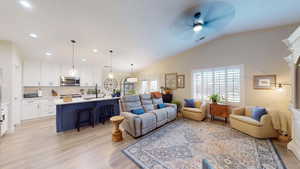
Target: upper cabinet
(31, 73)
(40, 74)
(86, 75)
(90, 75)
(48, 74)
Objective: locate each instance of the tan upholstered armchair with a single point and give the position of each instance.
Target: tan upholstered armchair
(241, 119)
(198, 113)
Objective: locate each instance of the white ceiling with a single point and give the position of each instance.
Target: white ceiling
(138, 30)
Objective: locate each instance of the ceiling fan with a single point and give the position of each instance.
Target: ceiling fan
(199, 22)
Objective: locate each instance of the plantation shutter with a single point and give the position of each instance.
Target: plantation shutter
(233, 84)
(225, 81)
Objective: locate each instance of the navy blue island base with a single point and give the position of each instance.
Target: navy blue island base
(66, 113)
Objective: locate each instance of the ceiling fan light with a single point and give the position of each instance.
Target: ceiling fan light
(197, 27)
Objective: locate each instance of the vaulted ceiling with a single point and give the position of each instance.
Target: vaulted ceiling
(139, 31)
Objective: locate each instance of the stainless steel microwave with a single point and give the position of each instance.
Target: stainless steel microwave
(69, 81)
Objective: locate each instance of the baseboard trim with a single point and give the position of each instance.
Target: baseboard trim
(295, 148)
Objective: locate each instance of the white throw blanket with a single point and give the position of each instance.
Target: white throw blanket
(281, 122)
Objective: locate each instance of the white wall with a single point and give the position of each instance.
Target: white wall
(261, 52)
(10, 60)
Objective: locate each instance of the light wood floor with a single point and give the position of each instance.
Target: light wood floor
(36, 145)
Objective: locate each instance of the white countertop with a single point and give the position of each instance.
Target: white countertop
(81, 100)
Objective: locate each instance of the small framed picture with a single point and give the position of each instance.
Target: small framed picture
(180, 81)
(171, 81)
(264, 82)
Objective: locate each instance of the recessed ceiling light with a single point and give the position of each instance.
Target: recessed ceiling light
(25, 4)
(95, 50)
(33, 35)
(84, 60)
(48, 53)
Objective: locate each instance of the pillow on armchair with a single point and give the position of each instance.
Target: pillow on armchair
(198, 104)
(189, 103)
(258, 112)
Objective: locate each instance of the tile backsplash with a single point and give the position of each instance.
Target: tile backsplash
(47, 91)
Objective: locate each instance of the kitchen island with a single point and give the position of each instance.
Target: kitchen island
(66, 116)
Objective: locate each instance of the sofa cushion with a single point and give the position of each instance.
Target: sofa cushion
(148, 107)
(131, 102)
(246, 119)
(138, 111)
(161, 116)
(171, 112)
(258, 112)
(189, 103)
(161, 106)
(146, 99)
(190, 109)
(157, 101)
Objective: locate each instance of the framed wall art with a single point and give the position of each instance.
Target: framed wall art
(264, 82)
(171, 81)
(180, 81)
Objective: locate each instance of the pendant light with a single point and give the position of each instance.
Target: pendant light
(131, 79)
(73, 72)
(110, 74)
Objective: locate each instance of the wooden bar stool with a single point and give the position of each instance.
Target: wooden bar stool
(90, 121)
(106, 112)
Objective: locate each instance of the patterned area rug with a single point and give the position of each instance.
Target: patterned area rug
(183, 144)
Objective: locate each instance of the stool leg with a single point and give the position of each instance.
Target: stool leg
(78, 121)
(92, 118)
(102, 114)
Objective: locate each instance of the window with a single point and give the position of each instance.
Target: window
(144, 87)
(225, 81)
(147, 86)
(153, 86)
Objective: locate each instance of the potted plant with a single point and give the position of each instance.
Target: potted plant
(178, 103)
(116, 93)
(215, 98)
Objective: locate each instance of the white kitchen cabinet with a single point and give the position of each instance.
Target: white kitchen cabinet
(86, 75)
(97, 76)
(30, 109)
(46, 108)
(31, 73)
(50, 74)
(37, 108)
(65, 69)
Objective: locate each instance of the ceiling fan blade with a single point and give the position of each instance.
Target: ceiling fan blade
(217, 9)
(219, 23)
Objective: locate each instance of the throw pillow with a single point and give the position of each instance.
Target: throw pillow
(189, 103)
(138, 111)
(258, 112)
(156, 95)
(160, 106)
(198, 104)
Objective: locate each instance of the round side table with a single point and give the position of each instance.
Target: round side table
(116, 132)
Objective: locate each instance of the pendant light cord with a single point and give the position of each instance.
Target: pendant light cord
(73, 45)
(111, 53)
